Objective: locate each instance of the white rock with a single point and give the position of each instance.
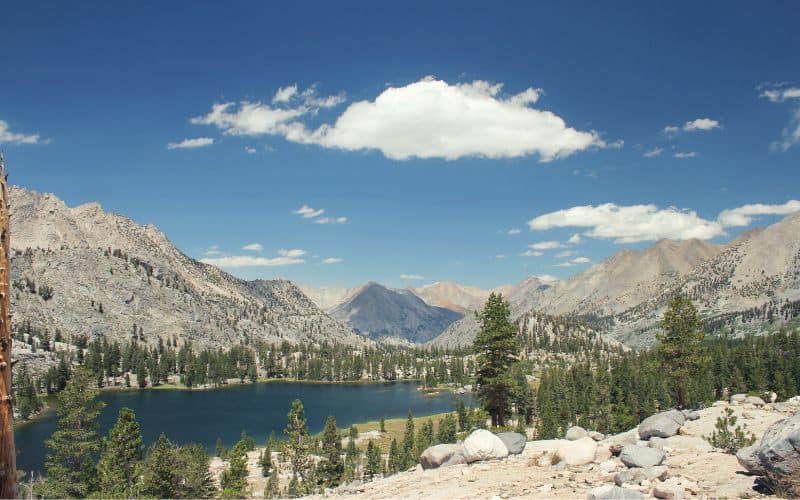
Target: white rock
(483, 445)
(575, 433)
(611, 492)
(579, 452)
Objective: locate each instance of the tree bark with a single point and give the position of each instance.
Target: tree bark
(8, 454)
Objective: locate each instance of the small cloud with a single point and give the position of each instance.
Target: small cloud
(212, 251)
(565, 253)
(514, 231)
(331, 220)
(254, 247)
(653, 153)
(284, 258)
(250, 150)
(531, 253)
(575, 239)
(499, 256)
(545, 245)
(547, 278)
(309, 213)
(781, 94)
(332, 260)
(574, 262)
(198, 142)
(285, 94)
(696, 125)
(9, 137)
(684, 155)
(411, 277)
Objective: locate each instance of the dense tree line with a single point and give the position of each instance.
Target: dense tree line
(614, 393)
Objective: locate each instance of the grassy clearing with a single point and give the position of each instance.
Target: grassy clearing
(394, 430)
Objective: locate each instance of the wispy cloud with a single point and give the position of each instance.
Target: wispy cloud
(331, 220)
(531, 253)
(653, 153)
(429, 118)
(254, 247)
(575, 239)
(574, 262)
(697, 125)
(781, 94)
(685, 154)
(9, 137)
(284, 258)
(197, 142)
(545, 245)
(746, 214)
(514, 231)
(332, 260)
(412, 277)
(307, 212)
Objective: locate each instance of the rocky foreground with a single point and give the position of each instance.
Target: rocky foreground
(664, 457)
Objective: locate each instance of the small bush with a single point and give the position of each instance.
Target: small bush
(728, 438)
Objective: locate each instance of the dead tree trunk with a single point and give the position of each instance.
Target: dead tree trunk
(8, 455)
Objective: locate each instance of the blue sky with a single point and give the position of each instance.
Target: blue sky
(434, 128)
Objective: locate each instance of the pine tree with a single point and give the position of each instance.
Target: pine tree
(424, 439)
(297, 449)
(192, 475)
(394, 458)
(383, 425)
(407, 458)
(331, 468)
(70, 465)
(159, 476)
(463, 416)
(681, 345)
(447, 429)
(351, 455)
(374, 465)
(272, 490)
(234, 479)
(122, 451)
(497, 348)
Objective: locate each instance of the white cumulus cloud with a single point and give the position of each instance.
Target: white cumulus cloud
(745, 215)
(630, 224)
(781, 94)
(429, 118)
(254, 247)
(7, 136)
(575, 239)
(197, 142)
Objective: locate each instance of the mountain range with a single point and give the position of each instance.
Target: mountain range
(85, 271)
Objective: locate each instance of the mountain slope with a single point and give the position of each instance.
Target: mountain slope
(379, 312)
(456, 297)
(108, 273)
(327, 298)
(756, 278)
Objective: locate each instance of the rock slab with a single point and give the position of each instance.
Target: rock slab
(438, 455)
(641, 456)
(611, 492)
(579, 452)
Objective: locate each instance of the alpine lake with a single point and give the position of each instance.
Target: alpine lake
(202, 416)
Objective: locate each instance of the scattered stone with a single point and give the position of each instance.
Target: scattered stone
(436, 456)
(754, 400)
(616, 442)
(575, 433)
(795, 401)
(597, 436)
(682, 443)
(611, 492)
(640, 456)
(693, 415)
(670, 489)
(664, 424)
(738, 399)
(545, 488)
(483, 445)
(580, 452)
(773, 397)
(514, 441)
